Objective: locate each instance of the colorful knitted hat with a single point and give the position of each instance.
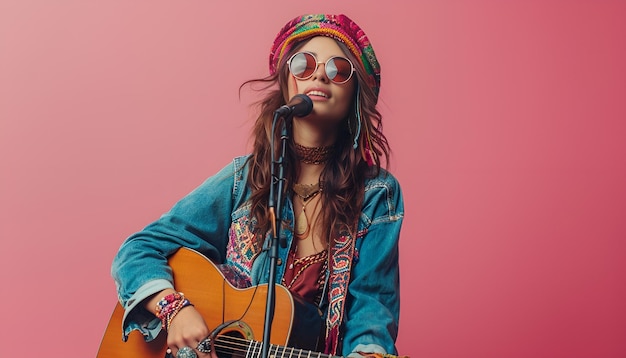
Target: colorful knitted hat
(338, 27)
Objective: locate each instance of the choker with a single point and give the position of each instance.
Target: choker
(313, 155)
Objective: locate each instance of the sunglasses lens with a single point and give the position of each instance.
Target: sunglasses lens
(302, 65)
(339, 69)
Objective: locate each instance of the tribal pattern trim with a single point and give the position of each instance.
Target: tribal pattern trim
(342, 255)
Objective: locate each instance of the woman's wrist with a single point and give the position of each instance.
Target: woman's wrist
(152, 301)
(168, 307)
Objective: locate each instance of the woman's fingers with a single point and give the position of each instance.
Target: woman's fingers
(187, 329)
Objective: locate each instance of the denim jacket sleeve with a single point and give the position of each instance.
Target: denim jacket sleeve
(199, 221)
(373, 302)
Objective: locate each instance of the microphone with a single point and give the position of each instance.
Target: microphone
(300, 105)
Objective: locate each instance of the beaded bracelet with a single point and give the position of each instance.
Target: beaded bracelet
(169, 306)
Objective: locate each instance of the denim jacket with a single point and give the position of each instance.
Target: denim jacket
(214, 219)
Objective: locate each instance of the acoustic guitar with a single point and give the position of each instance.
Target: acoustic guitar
(241, 313)
(295, 323)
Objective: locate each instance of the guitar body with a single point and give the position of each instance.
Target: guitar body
(218, 301)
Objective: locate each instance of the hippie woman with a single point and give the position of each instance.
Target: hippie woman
(341, 216)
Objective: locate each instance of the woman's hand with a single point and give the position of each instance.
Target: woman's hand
(187, 329)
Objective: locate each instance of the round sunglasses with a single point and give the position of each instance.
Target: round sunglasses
(303, 65)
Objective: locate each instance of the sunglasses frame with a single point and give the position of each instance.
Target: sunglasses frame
(317, 63)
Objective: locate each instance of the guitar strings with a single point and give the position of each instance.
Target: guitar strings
(243, 346)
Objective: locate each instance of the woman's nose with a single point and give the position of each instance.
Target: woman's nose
(320, 73)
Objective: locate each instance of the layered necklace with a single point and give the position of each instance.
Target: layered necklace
(306, 193)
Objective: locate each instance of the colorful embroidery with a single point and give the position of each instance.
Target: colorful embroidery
(241, 250)
(342, 254)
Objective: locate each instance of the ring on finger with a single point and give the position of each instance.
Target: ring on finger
(186, 352)
(204, 346)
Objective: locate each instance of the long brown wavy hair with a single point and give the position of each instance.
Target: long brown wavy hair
(343, 176)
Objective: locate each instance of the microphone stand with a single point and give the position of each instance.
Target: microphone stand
(275, 203)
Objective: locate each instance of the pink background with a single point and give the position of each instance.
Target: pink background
(507, 121)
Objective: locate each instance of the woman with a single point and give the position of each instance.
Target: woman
(341, 215)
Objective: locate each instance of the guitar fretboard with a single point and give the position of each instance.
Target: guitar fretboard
(228, 345)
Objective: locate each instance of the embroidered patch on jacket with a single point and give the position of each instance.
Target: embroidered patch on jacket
(241, 251)
(342, 254)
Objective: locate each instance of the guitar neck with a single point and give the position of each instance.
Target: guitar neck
(229, 345)
(233, 346)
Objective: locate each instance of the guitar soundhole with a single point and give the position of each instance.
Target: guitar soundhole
(231, 345)
(234, 340)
